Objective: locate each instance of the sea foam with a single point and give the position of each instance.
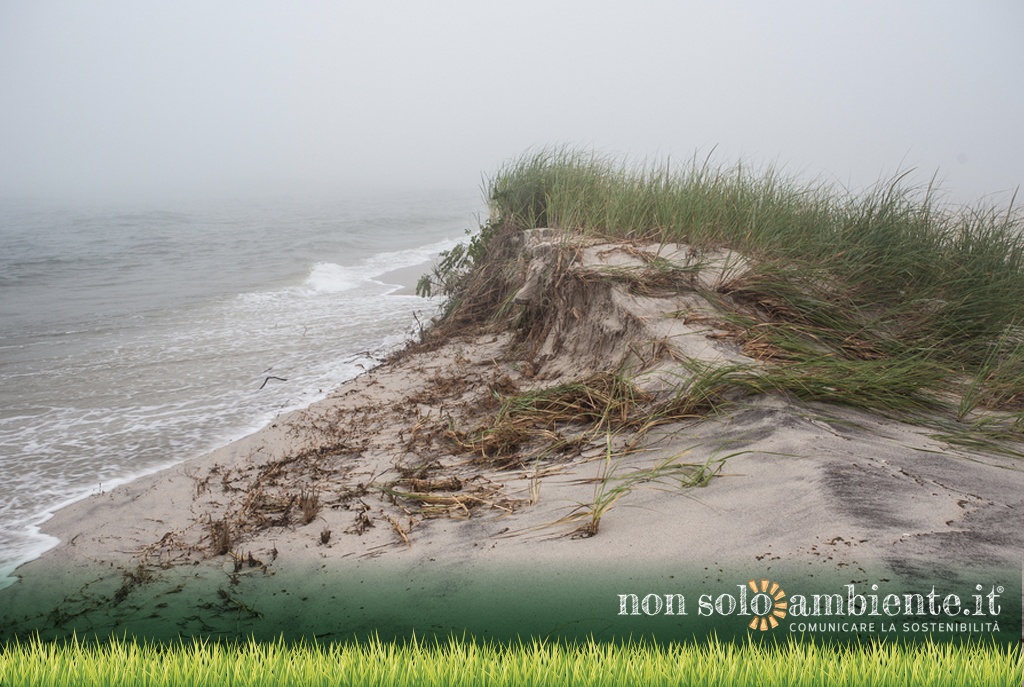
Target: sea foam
(327, 277)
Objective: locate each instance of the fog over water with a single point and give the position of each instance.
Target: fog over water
(123, 99)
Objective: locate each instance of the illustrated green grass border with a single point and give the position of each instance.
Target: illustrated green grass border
(538, 663)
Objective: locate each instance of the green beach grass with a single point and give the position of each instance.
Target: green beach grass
(888, 301)
(537, 663)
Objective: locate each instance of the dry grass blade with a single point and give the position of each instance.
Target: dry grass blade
(309, 504)
(602, 401)
(220, 537)
(398, 529)
(435, 504)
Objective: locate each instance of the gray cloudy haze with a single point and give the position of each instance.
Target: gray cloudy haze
(123, 99)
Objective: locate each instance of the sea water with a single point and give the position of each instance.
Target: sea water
(136, 336)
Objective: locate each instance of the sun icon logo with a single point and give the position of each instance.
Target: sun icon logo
(767, 604)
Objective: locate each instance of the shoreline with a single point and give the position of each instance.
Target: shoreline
(385, 483)
(404, 279)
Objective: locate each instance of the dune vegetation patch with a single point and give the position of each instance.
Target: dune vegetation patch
(888, 300)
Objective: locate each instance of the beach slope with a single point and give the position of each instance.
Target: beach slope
(518, 474)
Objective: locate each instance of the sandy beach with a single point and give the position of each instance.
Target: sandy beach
(396, 504)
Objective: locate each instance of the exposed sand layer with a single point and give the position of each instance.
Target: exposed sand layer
(403, 485)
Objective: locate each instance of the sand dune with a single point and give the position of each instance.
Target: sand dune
(416, 497)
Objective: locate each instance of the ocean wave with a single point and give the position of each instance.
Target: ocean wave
(327, 277)
(382, 263)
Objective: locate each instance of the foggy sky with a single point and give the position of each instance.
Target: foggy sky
(125, 99)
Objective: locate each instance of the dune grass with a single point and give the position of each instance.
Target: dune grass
(937, 277)
(888, 300)
(539, 663)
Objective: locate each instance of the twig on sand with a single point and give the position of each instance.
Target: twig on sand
(398, 528)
